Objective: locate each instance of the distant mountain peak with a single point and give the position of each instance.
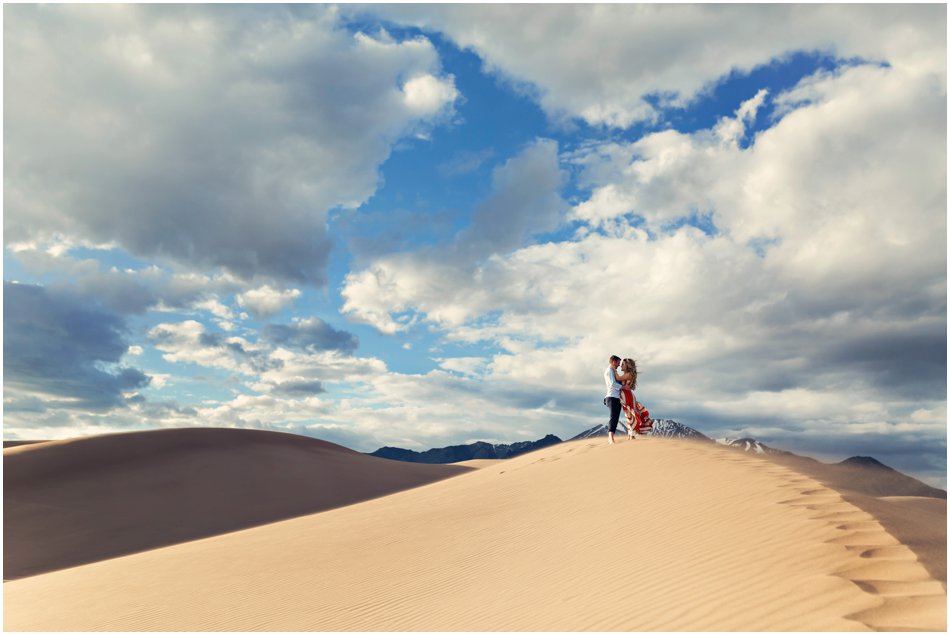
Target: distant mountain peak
(748, 444)
(666, 428)
(865, 461)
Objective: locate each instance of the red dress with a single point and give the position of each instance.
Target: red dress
(638, 417)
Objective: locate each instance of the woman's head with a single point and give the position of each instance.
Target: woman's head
(630, 366)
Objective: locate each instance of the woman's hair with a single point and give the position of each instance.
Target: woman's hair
(630, 366)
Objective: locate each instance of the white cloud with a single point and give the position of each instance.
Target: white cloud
(191, 342)
(127, 290)
(263, 411)
(602, 62)
(327, 366)
(426, 95)
(266, 301)
(208, 136)
(471, 366)
(729, 130)
(215, 307)
(160, 380)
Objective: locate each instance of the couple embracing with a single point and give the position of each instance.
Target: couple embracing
(619, 396)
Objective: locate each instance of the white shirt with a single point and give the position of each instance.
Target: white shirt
(613, 386)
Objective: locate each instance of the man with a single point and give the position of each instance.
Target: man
(613, 379)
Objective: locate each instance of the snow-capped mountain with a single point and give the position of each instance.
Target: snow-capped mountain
(670, 429)
(747, 444)
(596, 431)
(666, 428)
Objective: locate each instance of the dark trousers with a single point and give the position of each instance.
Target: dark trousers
(614, 404)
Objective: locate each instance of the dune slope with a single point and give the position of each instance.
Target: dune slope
(74, 502)
(911, 511)
(644, 535)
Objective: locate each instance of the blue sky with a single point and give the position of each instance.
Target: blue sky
(426, 225)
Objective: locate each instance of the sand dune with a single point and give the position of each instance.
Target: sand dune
(73, 502)
(920, 522)
(479, 463)
(917, 522)
(644, 535)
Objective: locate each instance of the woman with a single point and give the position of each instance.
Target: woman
(628, 402)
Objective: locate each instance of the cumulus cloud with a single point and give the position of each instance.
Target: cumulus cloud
(191, 342)
(124, 137)
(266, 301)
(310, 334)
(124, 290)
(613, 64)
(524, 202)
(472, 366)
(60, 350)
(293, 362)
(427, 95)
(299, 388)
(326, 366)
(215, 307)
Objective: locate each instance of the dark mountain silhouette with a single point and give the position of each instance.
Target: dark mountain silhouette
(456, 453)
(860, 474)
(863, 461)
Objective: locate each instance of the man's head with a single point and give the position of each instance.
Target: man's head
(614, 361)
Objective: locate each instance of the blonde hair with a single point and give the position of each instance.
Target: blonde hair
(630, 366)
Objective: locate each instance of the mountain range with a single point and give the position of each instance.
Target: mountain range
(859, 474)
(456, 453)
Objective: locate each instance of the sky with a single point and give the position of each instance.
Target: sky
(427, 225)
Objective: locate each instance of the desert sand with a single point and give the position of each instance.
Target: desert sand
(83, 500)
(649, 534)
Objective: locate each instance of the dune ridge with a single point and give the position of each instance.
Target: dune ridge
(644, 535)
(82, 500)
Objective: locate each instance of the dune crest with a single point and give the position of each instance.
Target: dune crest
(644, 535)
(73, 502)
